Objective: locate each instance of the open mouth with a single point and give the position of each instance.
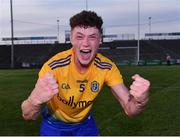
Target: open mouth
(85, 51)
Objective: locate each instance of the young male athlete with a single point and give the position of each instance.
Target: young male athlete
(70, 81)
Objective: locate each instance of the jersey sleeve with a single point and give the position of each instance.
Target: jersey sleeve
(113, 76)
(45, 69)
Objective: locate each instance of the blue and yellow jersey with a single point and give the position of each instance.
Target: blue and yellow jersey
(77, 91)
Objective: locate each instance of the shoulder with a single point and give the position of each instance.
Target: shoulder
(103, 62)
(61, 59)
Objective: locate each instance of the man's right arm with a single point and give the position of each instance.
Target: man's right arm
(30, 110)
(46, 87)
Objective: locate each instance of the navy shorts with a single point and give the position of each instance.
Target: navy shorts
(50, 126)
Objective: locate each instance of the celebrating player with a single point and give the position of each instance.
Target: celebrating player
(70, 81)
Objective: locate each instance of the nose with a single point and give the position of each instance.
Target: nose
(85, 42)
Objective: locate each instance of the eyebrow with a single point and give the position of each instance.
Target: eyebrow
(94, 34)
(79, 33)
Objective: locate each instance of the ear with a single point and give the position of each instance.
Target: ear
(71, 36)
(101, 39)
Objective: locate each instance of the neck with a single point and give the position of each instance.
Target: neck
(81, 68)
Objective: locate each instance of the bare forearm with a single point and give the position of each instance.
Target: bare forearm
(134, 100)
(133, 107)
(127, 101)
(30, 111)
(45, 88)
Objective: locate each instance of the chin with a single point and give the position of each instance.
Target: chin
(85, 63)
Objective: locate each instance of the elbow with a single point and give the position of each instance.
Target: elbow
(25, 113)
(131, 114)
(27, 117)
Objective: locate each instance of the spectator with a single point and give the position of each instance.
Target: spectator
(168, 59)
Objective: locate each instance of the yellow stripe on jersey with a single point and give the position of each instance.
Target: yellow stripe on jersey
(77, 91)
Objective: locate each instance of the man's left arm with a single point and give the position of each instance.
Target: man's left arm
(134, 100)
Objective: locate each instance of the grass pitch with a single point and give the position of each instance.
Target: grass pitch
(161, 116)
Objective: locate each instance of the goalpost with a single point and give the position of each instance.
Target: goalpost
(123, 49)
(121, 55)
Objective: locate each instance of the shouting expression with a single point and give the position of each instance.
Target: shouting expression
(85, 41)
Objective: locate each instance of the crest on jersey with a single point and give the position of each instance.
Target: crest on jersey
(94, 86)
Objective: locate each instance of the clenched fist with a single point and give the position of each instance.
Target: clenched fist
(45, 88)
(140, 89)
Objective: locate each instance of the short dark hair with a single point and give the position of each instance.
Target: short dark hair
(86, 19)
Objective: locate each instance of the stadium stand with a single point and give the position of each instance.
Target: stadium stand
(120, 51)
(5, 56)
(157, 49)
(34, 55)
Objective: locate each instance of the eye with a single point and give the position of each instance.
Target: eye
(79, 37)
(93, 37)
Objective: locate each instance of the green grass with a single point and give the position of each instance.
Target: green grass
(161, 117)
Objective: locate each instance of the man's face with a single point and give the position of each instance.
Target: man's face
(85, 41)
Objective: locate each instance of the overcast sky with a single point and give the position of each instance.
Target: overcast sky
(39, 17)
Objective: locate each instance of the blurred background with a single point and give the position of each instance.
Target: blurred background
(140, 31)
(140, 36)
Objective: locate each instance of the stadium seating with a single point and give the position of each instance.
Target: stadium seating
(34, 55)
(157, 49)
(5, 56)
